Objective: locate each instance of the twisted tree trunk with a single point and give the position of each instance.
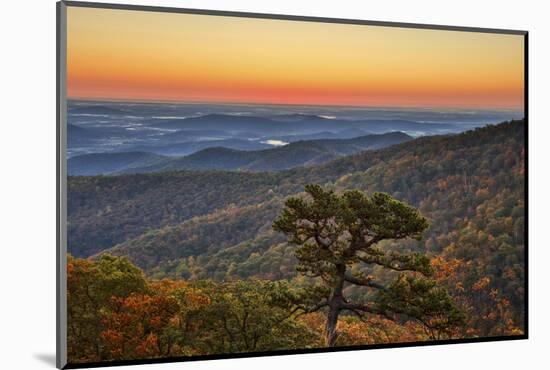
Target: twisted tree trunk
(335, 302)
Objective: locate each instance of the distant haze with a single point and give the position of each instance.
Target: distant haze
(174, 130)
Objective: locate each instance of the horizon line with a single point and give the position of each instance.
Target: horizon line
(183, 102)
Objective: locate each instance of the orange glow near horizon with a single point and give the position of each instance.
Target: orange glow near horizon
(136, 55)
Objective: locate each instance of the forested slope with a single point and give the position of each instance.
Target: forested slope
(105, 211)
(217, 225)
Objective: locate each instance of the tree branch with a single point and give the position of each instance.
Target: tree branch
(362, 309)
(363, 282)
(397, 262)
(362, 244)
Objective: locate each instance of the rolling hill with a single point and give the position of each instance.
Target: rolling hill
(107, 163)
(300, 153)
(444, 176)
(299, 124)
(176, 149)
(217, 224)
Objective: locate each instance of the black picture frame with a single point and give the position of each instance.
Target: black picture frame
(61, 186)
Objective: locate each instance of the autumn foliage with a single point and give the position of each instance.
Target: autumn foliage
(209, 275)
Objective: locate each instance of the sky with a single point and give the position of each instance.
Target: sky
(153, 56)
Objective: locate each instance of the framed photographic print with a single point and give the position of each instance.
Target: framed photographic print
(236, 184)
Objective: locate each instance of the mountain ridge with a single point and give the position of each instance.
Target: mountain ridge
(109, 210)
(296, 123)
(236, 239)
(299, 153)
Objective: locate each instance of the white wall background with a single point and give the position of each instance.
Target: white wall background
(27, 206)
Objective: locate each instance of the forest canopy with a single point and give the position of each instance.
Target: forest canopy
(115, 312)
(168, 265)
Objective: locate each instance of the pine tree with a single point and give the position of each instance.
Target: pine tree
(338, 234)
